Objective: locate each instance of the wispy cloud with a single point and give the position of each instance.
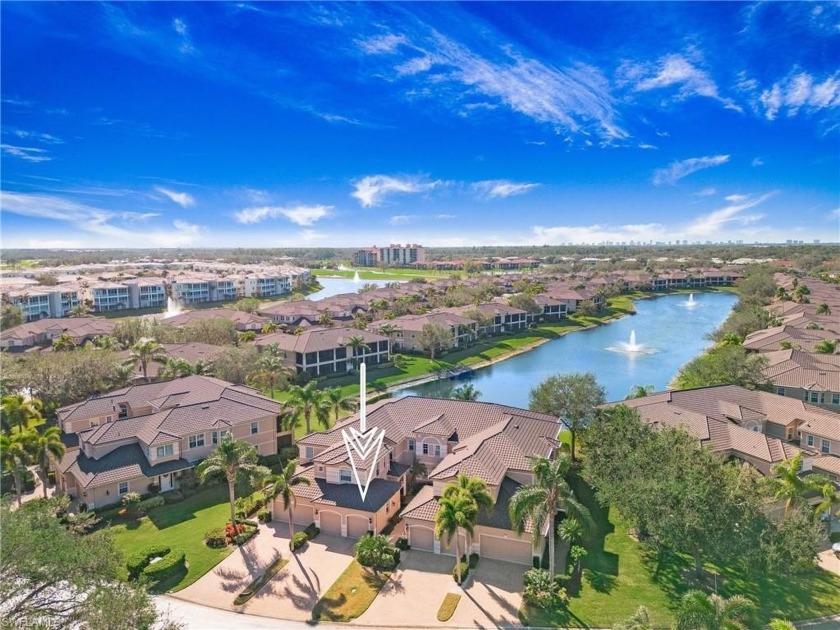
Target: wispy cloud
(573, 99)
(706, 192)
(36, 136)
(801, 91)
(185, 200)
(757, 162)
(402, 219)
(677, 170)
(673, 71)
(30, 154)
(180, 27)
(647, 147)
(373, 189)
(495, 188)
(445, 217)
(301, 215)
(718, 222)
(598, 233)
(98, 222)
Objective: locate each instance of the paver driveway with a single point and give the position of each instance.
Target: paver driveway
(416, 590)
(292, 593)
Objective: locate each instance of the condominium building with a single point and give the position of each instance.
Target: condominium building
(395, 255)
(106, 296)
(146, 292)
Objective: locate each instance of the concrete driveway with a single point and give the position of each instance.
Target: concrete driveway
(416, 590)
(292, 593)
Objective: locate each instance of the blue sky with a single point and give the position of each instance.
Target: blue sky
(301, 124)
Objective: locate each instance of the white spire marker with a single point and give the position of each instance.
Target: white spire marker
(363, 442)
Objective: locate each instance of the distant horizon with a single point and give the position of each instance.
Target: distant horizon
(287, 124)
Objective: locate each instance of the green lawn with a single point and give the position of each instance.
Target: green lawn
(350, 595)
(620, 574)
(181, 526)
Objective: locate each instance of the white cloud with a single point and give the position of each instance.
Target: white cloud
(46, 138)
(30, 154)
(599, 233)
(445, 217)
(757, 162)
(716, 223)
(402, 219)
(494, 188)
(185, 200)
(673, 71)
(180, 27)
(706, 192)
(372, 190)
(677, 170)
(97, 222)
(573, 99)
(300, 215)
(647, 147)
(800, 91)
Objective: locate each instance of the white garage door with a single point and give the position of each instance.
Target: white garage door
(302, 515)
(331, 523)
(357, 526)
(421, 538)
(508, 549)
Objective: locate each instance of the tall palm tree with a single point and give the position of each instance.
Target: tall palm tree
(456, 511)
(338, 402)
(231, 459)
(176, 368)
(539, 502)
(786, 485)
(145, 350)
(41, 446)
(18, 411)
(288, 420)
(305, 400)
(699, 611)
(824, 309)
(830, 497)
(466, 392)
(474, 488)
(282, 485)
(357, 346)
(15, 457)
(377, 306)
(270, 371)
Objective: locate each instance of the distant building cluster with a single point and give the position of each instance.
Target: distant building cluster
(101, 288)
(395, 255)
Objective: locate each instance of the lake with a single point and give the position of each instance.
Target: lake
(669, 332)
(337, 286)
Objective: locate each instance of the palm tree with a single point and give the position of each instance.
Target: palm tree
(699, 611)
(639, 391)
(305, 400)
(571, 530)
(107, 342)
(80, 310)
(270, 370)
(338, 402)
(231, 459)
(731, 339)
(203, 368)
(324, 319)
(787, 485)
(418, 469)
(288, 420)
(147, 349)
(357, 346)
(63, 343)
(456, 511)
(282, 485)
(639, 621)
(780, 624)
(474, 488)
(175, 368)
(540, 501)
(377, 306)
(17, 411)
(823, 309)
(270, 327)
(830, 497)
(466, 392)
(15, 457)
(41, 446)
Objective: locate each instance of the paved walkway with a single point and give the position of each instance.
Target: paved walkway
(292, 593)
(829, 561)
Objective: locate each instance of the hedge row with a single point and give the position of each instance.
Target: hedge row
(139, 560)
(165, 567)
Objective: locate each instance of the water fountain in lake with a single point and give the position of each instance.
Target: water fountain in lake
(173, 308)
(356, 277)
(690, 303)
(631, 347)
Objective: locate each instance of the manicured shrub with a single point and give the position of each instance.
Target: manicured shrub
(172, 496)
(154, 488)
(447, 608)
(140, 559)
(166, 567)
(263, 516)
(402, 543)
(541, 591)
(216, 538)
(465, 571)
(474, 557)
(396, 556)
(288, 453)
(298, 541)
(270, 461)
(311, 531)
(144, 507)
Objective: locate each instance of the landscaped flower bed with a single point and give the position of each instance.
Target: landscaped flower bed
(232, 533)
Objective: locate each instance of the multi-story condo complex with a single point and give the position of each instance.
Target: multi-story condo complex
(106, 296)
(395, 255)
(146, 292)
(190, 289)
(266, 284)
(33, 302)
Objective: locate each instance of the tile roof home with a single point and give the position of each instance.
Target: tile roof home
(807, 376)
(190, 351)
(43, 331)
(242, 320)
(800, 338)
(490, 441)
(144, 434)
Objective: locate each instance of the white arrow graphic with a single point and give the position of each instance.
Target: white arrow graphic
(363, 442)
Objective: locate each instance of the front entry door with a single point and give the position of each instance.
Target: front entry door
(165, 482)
